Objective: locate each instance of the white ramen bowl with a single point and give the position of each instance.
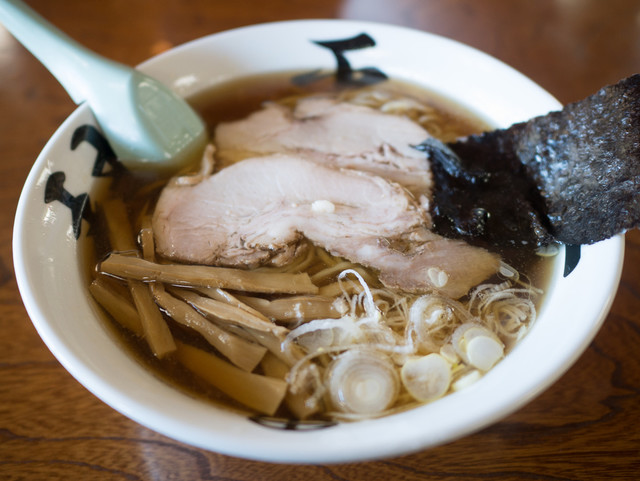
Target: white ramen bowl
(55, 293)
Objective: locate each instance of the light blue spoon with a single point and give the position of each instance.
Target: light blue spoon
(145, 122)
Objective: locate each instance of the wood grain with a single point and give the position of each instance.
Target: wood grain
(585, 427)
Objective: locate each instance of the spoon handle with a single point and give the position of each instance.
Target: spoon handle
(78, 69)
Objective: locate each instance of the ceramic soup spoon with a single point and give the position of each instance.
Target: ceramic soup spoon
(146, 123)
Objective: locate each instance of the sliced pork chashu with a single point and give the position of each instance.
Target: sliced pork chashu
(258, 211)
(333, 133)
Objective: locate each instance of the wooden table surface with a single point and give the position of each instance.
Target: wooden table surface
(586, 426)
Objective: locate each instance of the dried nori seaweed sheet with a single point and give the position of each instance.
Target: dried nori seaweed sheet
(571, 176)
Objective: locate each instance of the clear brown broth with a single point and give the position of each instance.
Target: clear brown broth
(233, 101)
